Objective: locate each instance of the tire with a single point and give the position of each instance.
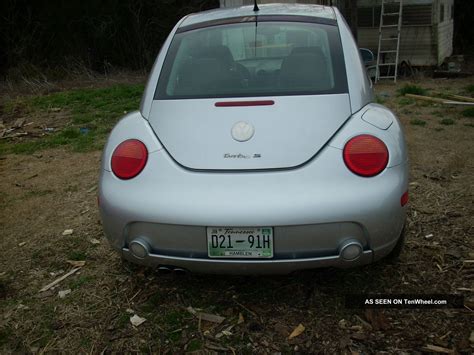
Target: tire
(397, 250)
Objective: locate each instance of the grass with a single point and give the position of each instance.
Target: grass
(447, 121)
(194, 345)
(5, 334)
(93, 113)
(80, 281)
(412, 89)
(38, 193)
(379, 99)
(403, 101)
(470, 89)
(469, 112)
(417, 122)
(77, 255)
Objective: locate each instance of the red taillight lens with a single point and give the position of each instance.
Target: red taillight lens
(404, 199)
(129, 159)
(365, 155)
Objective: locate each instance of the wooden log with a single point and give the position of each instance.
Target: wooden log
(439, 100)
(457, 97)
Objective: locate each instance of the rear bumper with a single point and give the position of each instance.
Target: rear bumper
(242, 267)
(313, 210)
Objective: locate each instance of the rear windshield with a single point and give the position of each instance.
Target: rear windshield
(253, 59)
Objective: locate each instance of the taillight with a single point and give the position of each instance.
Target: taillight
(129, 159)
(365, 155)
(404, 199)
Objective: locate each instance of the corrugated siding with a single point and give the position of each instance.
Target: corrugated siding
(443, 29)
(445, 40)
(367, 3)
(412, 15)
(416, 44)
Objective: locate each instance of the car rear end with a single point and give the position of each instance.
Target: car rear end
(249, 155)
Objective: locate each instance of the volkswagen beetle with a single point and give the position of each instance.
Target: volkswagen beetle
(257, 149)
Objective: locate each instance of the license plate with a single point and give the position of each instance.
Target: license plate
(229, 242)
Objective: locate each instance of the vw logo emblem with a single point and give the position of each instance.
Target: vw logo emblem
(242, 131)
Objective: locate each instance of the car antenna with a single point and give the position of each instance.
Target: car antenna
(255, 9)
(255, 6)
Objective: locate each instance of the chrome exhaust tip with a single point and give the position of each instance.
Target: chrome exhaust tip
(180, 271)
(351, 250)
(139, 248)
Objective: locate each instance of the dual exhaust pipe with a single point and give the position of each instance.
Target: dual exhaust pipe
(170, 269)
(140, 249)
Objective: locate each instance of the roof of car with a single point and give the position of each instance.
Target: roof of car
(319, 11)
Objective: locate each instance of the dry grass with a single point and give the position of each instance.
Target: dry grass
(49, 191)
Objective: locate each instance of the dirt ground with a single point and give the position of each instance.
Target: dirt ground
(47, 192)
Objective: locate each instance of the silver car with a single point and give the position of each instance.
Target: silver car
(257, 149)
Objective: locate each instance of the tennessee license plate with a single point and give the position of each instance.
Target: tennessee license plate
(230, 242)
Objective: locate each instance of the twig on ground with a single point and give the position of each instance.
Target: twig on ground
(55, 282)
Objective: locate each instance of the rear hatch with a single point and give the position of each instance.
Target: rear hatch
(198, 135)
(297, 65)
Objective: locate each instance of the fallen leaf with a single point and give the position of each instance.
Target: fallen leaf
(64, 293)
(297, 331)
(22, 244)
(241, 319)
(94, 241)
(137, 320)
(68, 231)
(76, 263)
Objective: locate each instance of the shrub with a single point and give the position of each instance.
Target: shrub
(469, 112)
(412, 89)
(417, 122)
(447, 121)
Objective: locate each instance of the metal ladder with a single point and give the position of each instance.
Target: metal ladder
(385, 37)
